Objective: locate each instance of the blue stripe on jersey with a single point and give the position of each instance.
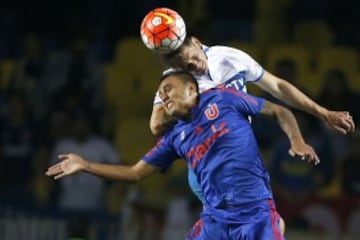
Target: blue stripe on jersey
(261, 75)
(205, 48)
(237, 81)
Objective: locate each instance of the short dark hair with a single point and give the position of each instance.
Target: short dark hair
(169, 59)
(185, 76)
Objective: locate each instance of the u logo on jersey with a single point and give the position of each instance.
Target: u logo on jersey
(212, 112)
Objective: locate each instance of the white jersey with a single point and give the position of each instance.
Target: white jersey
(227, 66)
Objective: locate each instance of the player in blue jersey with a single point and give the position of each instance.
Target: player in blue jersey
(221, 65)
(215, 138)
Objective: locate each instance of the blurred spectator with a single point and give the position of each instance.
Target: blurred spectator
(131, 215)
(294, 181)
(75, 193)
(322, 220)
(336, 94)
(286, 69)
(350, 168)
(293, 178)
(76, 72)
(265, 129)
(29, 74)
(178, 219)
(75, 196)
(46, 76)
(17, 144)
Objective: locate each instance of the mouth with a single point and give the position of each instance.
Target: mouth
(169, 104)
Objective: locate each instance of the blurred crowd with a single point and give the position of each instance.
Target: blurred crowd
(67, 85)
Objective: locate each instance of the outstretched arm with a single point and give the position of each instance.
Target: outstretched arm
(71, 164)
(289, 125)
(160, 122)
(341, 121)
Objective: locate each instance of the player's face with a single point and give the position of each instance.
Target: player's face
(193, 59)
(177, 96)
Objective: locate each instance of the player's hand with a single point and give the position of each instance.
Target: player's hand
(342, 122)
(69, 164)
(305, 152)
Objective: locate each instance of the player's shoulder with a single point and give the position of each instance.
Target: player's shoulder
(175, 129)
(223, 50)
(228, 94)
(218, 94)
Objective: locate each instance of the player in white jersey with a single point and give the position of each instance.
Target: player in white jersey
(217, 65)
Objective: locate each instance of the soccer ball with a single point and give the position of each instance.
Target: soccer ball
(163, 30)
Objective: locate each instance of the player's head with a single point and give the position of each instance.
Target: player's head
(179, 92)
(189, 57)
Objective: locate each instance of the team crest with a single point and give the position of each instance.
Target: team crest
(212, 112)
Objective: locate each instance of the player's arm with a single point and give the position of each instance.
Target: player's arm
(160, 121)
(289, 125)
(341, 121)
(71, 164)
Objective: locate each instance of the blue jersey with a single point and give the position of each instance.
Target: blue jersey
(219, 145)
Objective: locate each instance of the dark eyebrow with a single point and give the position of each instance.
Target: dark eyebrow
(164, 86)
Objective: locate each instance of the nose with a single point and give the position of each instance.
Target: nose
(163, 96)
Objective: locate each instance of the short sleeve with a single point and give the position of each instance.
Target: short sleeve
(162, 155)
(227, 63)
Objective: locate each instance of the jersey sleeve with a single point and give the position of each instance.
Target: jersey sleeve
(162, 155)
(255, 70)
(230, 63)
(243, 102)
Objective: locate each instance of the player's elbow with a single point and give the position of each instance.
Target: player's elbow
(136, 178)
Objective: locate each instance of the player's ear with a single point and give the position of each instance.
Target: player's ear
(191, 88)
(196, 41)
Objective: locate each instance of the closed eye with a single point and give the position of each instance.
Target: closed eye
(164, 91)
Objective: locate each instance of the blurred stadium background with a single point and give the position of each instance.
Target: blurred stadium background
(75, 76)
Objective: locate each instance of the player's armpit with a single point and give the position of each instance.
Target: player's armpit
(269, 109)
(143, 169)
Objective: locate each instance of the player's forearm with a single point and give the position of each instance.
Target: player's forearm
(160, 122)
(295, 98)
(116, 172)
(289, 125)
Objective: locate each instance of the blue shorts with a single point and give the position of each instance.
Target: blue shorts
(256, 221)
